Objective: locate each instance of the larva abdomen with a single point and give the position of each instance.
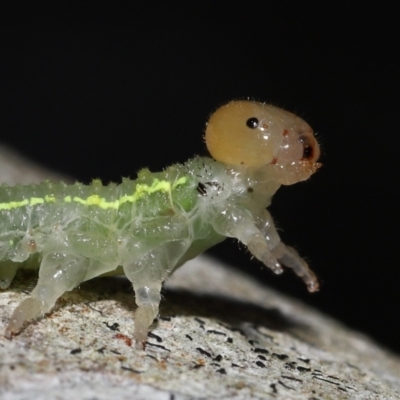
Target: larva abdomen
(106, 224)
(85, 231)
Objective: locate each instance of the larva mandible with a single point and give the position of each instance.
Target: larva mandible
(146, 228)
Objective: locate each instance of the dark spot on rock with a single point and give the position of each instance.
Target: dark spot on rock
(261, 351)
(154, 336)
(206, 353)
(280, 356)
(221, 371)
(113, 327)
(303, 369)
(260, 364)
(216, 332)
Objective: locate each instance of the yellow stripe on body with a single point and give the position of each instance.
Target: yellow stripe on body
(96, 200)
(36, 200)
(13, 204)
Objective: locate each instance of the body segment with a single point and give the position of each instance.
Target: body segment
(152, 225)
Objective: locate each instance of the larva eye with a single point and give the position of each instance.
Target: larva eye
(252, 123)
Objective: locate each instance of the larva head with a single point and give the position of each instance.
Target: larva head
(254, 134)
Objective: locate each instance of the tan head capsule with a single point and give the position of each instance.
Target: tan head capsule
(255, 134)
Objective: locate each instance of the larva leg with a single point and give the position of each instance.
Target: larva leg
(58, 273)
(8, 269)
(147, 276)
(146, 279)
(148, 300)
(289, 257)
(239, 223)
(263, 242)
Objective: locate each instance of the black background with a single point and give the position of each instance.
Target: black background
(97, 89)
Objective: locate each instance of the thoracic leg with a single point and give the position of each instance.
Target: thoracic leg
(291, 259)
(58, 273)
(263, 241)
(239, 223)
(287, 255)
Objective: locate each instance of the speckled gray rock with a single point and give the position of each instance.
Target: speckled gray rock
(220, 335)
(16, 169)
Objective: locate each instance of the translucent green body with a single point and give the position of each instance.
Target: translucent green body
(146, 228)
(108, 226)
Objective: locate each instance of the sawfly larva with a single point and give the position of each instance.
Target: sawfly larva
(148, 227)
